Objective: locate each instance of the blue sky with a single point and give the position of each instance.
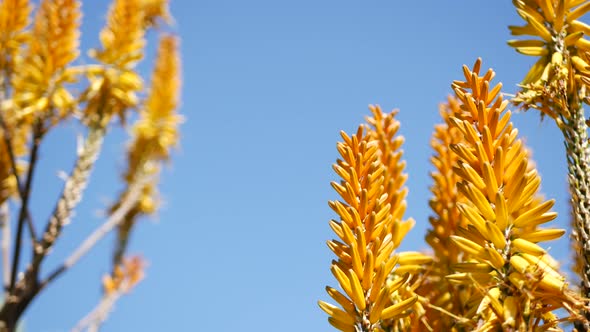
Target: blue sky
(239, 243)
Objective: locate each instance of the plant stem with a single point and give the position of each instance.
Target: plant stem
(12, 157)
(37, 134)
(114, 220)
(5, 245)
(578, 159)
(71, 194)
(28, 286)
(94, 319)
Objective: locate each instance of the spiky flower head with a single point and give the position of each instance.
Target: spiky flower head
(14, 17)
(519, 286)
(114, 88)
(122, 38)
(39, 91)
(153, 136)
(156, 131)
(370, 300)
(561, 76)
(447, 301)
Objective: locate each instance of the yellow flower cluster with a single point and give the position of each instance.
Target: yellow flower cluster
(14, 17)
(557, 79)
(156, 131)
(518, 281)
(38, 81)
(125, 276)
(154, 134)
(489, 271)
(370, 229)
(114, 88)
(445, 298)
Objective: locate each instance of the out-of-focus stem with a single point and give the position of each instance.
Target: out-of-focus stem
(25, 194)
(94, 319)
(5, 245)
(115, 219)
(27, 287)
(12, 157)
(72, 192)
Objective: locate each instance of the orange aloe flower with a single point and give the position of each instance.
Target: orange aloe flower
(518, 282)
(369, 230)
(446, 300)
(39, 91)
(554, 83)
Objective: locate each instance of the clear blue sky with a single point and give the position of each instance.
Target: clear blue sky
(240, 241)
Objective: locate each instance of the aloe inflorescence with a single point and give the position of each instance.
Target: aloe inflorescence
(489, 269)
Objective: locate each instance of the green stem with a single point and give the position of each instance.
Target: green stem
(575, 132)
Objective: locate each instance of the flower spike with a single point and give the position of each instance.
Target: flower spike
(511, 208)
(371, 228)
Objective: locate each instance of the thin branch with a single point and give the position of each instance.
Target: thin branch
(12, 158)
(94, 319)
(37, 134)
(114, 220)
(5, 245)
(71, 194)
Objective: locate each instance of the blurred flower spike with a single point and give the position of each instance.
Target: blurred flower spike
(42, 85)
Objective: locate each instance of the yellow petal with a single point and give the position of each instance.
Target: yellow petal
(398, 308)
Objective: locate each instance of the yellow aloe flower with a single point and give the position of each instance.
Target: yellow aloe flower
(553, 83)
(558, 85)
(520, 284)
(154, 10)
(156, 131)
(113, 88)
(153, 136)
(383, 128)
(446, 301)
(125, 276)
(39, 91)
(14, 17)
(123, 36)
(369, 299)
